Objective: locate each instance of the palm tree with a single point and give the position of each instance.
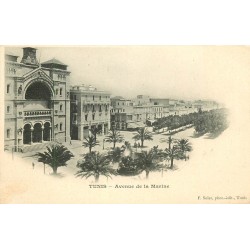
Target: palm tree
(128, 167)
(127, 148)
(173, 153)
(55, 156)
(90, 142)
(142, 135)
(116, 154)
(114, 136)
(184, 146)
(94, 131)
(94, 164)
(148, 161)
(170, 140)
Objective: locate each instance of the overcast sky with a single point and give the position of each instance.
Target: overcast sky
(183, 72)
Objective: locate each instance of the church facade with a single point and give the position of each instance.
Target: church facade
(37, 102)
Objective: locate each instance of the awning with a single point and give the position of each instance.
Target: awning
(152, 121)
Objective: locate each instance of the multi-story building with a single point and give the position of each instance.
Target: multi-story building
(90, 108)
(37, 104)
(131, 114)
(173, 107)
(160, 101)
(142, 100)
(121, 112)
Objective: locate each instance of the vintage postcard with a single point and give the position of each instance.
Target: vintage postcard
(125, 124)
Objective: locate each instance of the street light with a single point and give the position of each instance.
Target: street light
(103, 143)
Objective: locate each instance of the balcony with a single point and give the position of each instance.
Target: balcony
(96, 101)
(37, 113)
(74, 102)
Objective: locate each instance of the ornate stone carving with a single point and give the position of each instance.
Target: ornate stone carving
(20, 90)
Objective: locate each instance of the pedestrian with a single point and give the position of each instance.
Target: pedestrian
(33, 165)
(70, 142)
(139, 145)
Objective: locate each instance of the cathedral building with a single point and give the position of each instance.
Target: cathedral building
(37, 102)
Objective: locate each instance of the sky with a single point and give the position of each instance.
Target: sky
(180, 72)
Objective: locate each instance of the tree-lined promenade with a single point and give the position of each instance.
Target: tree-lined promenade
(213, 121)
(131, 158)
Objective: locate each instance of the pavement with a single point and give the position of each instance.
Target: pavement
(215, 168)
(78, 150)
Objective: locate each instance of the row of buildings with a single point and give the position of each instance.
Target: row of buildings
(129, 114)
(42, 106)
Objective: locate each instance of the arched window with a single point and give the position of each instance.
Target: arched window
(8, 88)
(8, 133)
(38, 91)
(8, 109)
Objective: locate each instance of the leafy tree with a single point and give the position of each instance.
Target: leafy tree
(142, 135)
(184, 146)
(95, 164)
(157, 127)
(114, 136)
(148, 161)
(90, 142)
(55, 156)
(200, 124)
(213, 121)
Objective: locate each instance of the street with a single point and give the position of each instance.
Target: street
(78, 150)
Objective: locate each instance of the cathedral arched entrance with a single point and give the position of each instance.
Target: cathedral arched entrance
(38, 90)
(37, 133)
(38, 111)
(27, 134)
(38, 96)
(47, 132)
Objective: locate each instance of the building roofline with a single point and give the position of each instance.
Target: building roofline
(54, 61)
(89, 91)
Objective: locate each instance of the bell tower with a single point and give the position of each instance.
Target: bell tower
(29, 56)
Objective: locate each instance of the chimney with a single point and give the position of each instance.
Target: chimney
(29, 56)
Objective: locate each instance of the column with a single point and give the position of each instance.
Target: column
(50, 132)
(31, 135)
(42, 133)
(103, 132)
(81, 135)
(90, 130)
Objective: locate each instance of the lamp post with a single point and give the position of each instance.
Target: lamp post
(135, 145)
(103, 143)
